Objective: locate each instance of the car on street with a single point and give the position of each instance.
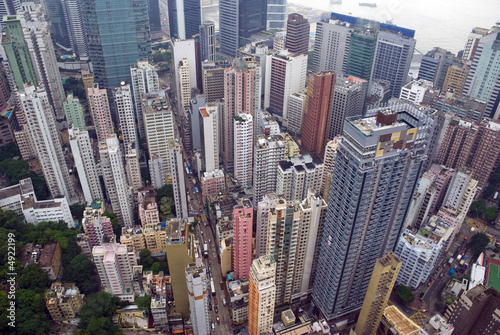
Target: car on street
(441, 275)
(209, 262)
(210, 306)
(201, 232)
(209, 241)
(218, 319)
(205, 241)
(201, 210)
(435, 274)
(406, 309)
(428, 284)
(216, 309)
(205, 224)
(215, 301)
(424, 311)
(421, 295)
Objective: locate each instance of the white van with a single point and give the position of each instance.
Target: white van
(213, 326)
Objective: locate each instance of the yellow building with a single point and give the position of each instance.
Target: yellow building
(455, 77)
(379, 290)
(155, 238)
(292, 148)
(394, 322)
(133, 238)
(63, 301)
(261, 295)
(88, 80)
(226, 254)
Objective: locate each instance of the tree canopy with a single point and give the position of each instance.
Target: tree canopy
(405, 294)
(80, 271)
(490, 213)
(98, 305)
(478, 208)
(478, 242)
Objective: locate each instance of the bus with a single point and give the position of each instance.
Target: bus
(212, 286)
(205, 250)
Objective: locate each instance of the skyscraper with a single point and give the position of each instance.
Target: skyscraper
(154, 19)
(332, 46)
(9, 7)
(288, 75)
(296, 109)
(100, 112)
(228, 26)
(261, 295)
(178, 182)
(213, 80)
(144, 79)
(197, 285)
(298, 175)
(297, 34)
(252, 18)
(85, 164)
(209, 120)
(184, 83)
(159, 126)
(369, 198)
(316, 119)
(243, 149)
(59, 29)
(118, 191)
(31, 54)
(434, 66)
(241, 95)
(184, 17)
(207, 41)
(276, 15)
(379, 290)
(362, 46)
(472, 42)
(242, 238)
(74, 112)
(268, 151)
(113, 49)
(125, 110)
(76, 32)
(41, 125)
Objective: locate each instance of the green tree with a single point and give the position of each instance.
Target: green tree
(77, 211)
(144, 302)
(478, 242)
(166, 208)
(76, 87)
(102, 326)
(405, 294)
(33, 278)
(478, 208)
(145, 259)
(489, 191)
(160, 266)
(100, 304)
(490, 213)
(81, 272)
(495, 179)
(448, 300)
(164, 191)
(9, 151)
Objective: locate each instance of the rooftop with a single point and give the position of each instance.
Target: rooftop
(402, 324)
(49, 250)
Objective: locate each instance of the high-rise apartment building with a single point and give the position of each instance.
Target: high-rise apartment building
(456, 76)
(213, 80)
(332, 46)
(395, 144)
(483, 81)
(41, 125)
(434, 66)
(296, 109)
(243, 149)
(115, 179)
(114, 265)
(144, 79)
(31, 54)
(157, 172)
(209, 121)
(132, 168)
(148, 208)
(298, 175)
(316, 119)
(178, 182)
(241, 95)
(261, 295)
(379, 290)
(268, 151)
(184, 83)
(159, 127)
(287, 75)
(297, 34)
(207, 41)
(472, 42)
(72, 11)
(187, 49)
(74, 112)
(98, 228)
(85, 164)
(63, 301)
(276, 15)
(348, 100)
(263, 208)
(112, 49)
(242, 238)
(329, 163)
(469, 145)
(100, 112)
(184, 17)
(197, 285)
(122, 95)
(475, 312)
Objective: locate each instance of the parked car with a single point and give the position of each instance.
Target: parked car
(441, 275)
(215, 301)
(421, 295)
(218, 319)
(428, 284)
(406, 309)
(424, 310)
(216, 309)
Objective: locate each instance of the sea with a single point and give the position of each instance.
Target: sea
(442, 23)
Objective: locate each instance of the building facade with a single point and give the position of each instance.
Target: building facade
(242, 239)
(261, 295)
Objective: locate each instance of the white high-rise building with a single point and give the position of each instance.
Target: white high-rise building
(287, 75)
(184, 84)
(184, 49)
(114, 265)
(243, 149)
(332, 46)
(268, 151)
(41, 125)
(329, 164)
(74, 21)
(159, 127)
(134, 177)
(38, 39)
(197, 286)
(207, 41)
(261, 295)
(297, 176)
(263, 208)
(85, 164)
(461, 191)
(157, 172)
(119, 192)
(209, 116)
(296, 109)
(144, 79)
(125, 110)
(178, 182)
(276, 15)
